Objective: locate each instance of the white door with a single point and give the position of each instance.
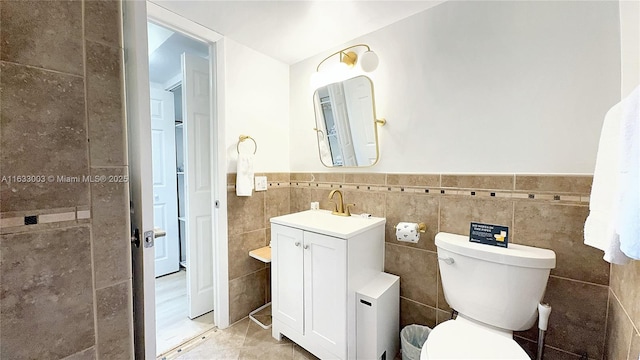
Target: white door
(286, 276)
(165, 197)
(325, 292)
(359, 95)
(197, 169)
(341, 119)
(140, 175)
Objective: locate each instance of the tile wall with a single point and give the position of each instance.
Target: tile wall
(543, 211)
(623, 325)
(64, 250)
(249, 229)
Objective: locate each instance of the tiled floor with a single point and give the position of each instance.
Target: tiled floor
(243, 340)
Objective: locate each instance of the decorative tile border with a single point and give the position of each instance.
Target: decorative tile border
(49, 218)
(559, 197)
(19, 220)
(436, 191)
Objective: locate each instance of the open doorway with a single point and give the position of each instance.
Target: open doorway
(179, 83)
(207, 180)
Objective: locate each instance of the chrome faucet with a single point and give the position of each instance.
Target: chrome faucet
(340, 208)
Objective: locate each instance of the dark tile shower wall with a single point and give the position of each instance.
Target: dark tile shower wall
(66, 277)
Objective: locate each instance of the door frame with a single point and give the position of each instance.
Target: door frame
(215, 41)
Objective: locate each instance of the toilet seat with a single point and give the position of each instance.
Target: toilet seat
(456, 339)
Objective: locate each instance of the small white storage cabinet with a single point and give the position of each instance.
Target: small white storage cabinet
(319, 261)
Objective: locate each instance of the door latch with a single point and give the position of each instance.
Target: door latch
(148, 239)
(135, 238)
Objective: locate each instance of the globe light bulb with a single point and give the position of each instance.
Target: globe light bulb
(369, 61)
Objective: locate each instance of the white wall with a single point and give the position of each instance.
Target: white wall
(256, 103)
(630, 45)
(483, 87)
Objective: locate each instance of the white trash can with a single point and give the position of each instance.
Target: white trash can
(412, 338)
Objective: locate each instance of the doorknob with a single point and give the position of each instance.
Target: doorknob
(157, 232)
(306, 247)
(297, 243)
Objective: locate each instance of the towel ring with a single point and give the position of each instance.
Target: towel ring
(243, 138)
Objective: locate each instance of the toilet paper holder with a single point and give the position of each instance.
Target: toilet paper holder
(422, 227)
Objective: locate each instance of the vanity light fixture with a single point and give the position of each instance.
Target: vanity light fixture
(368, 60)
(339, 71)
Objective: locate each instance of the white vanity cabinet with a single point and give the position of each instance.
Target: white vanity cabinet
(319, 261)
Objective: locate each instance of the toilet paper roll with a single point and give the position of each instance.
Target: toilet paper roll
(406, 231)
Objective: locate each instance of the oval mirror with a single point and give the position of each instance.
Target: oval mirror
(346, 123)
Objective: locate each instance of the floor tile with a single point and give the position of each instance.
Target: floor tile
(274, 352)
(243, 340)
(257, 336)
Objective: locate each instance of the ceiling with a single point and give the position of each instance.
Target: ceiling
(165, 51)
(291, 31)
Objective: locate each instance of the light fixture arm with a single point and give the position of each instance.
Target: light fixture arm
(341, 52)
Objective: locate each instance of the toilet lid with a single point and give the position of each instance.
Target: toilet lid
(455, 339)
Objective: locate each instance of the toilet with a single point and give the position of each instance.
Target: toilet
(495, 291)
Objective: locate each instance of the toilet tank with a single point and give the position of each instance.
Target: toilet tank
(497, 286)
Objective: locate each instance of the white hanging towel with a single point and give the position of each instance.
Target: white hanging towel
(602, 228)
(244, 175)
(628, 219)
(599, 229)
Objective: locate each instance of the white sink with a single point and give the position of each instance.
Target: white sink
(322, 221)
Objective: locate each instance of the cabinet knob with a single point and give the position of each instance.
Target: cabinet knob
(297, 243)
(306, 246)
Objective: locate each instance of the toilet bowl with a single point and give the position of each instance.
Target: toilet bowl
(495, 290)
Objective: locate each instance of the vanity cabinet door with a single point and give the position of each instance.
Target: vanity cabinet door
(286, 276)
(325, 291)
